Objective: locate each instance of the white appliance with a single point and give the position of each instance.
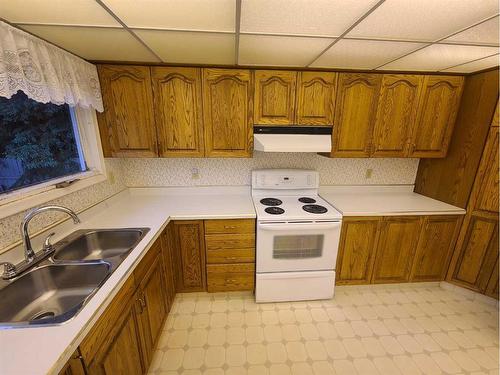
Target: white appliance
(292, 139)
(298, 236)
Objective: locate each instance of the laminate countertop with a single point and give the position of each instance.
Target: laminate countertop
(384, 201)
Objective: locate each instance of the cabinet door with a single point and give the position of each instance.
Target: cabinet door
(122, 353)
(496, 116)
(396, 249)
(435, 246)
(358, 241)
(477, 251)
(190, 256)
(275, 97)
(492, 287)
(227, 112)
(151, 305)
(396, 112)
(487, 198)
(168, 248)
(177, 104)
(74, 366)
(315, 98)
(357, 96)
(127, 124)
(437, 111)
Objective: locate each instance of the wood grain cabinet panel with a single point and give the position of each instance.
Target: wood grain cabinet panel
(168, 251)
(358, 241)
(127, 124)
(396, 114)
(231, 226)
(190, 256)
(435, 247)
(437, 112)
(74, 366)
(355, 108)
(487, 198)
(477, 251)
(492, 286)
(496, 116)
(227, 112)
(396, 248)
(315, 98)
(230, 277)
(274, 97)
(178, 111)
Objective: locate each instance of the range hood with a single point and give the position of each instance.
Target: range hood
(292, 138)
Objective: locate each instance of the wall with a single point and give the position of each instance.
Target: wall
(178, 172)
(78, 201)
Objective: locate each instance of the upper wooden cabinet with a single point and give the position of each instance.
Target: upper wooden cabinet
(396, 113)
(127, 124)
(315, 98)
(178, 111)
(437, 111)
(356, 105)
(396, 249)
(274, 101)
(227, 112)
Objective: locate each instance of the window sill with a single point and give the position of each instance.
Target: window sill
(15, 204)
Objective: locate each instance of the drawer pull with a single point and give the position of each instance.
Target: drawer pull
(231, 258)
(229, 227)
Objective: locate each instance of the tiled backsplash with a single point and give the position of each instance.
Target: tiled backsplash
(79, 200)
(179, 172)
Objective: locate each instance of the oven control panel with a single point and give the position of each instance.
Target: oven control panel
(285, 179)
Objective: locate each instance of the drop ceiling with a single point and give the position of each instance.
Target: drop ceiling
(460, 36)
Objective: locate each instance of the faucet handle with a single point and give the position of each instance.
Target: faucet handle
(47, 246)
(9, 270)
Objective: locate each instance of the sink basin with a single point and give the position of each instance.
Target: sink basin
(50, 294)
(99, 244)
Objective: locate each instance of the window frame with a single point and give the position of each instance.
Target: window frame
(90, 142)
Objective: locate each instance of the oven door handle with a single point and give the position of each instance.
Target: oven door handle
(298, 226)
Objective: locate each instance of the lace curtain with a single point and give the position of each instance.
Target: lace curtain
(44, 72)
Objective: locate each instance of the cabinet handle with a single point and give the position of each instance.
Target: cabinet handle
(229, 227)
(144, 301)
(140, 305)
(231, 258)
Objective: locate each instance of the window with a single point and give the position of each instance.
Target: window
(38, 143)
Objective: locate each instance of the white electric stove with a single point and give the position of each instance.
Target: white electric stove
(297, 236)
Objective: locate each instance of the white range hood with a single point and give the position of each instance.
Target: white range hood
(292, 139)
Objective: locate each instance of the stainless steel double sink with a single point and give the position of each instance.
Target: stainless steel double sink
(55, 290)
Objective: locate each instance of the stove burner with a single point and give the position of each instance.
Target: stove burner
(307, 200)
(270, 201)
(315, 208)
(274, 210)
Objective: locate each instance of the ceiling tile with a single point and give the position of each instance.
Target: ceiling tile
(74, 12)
(301, 17)
(190, 47)
(485, 33)
(423, 20)
(440, 56)
(280, 51)
(362, 54)
(488, 62)
(95, 43)
(207, 15)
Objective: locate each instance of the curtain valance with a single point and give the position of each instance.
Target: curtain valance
(44, 72)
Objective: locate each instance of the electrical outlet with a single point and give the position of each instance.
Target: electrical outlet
(195, 174)
(369, 173)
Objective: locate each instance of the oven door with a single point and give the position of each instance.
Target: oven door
(301, 246)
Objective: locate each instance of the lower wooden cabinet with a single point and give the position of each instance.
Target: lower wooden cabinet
(168, 248)
(230, 277)
(74, 366)
(189, 256)
(358, 240)
(395, 249)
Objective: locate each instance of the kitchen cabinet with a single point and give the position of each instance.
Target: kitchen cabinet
(315, 98)
(189, 256)
(435, 247)
(168, 251)
(437, 111)
(127, 125)
(475, 259)
(396, 114)
(396, 248)
(274, 100)
(355, 110)
(74, 366)
(358, 240)
(227, 112)
(178, 111)
(230, 253)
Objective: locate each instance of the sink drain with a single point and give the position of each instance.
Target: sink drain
(43, 315)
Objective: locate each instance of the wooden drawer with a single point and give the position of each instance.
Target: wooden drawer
(230, 241)
(234, 226)
(230, 277)
(231, 256)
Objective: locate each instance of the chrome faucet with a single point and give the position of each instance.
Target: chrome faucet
(29, 254)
